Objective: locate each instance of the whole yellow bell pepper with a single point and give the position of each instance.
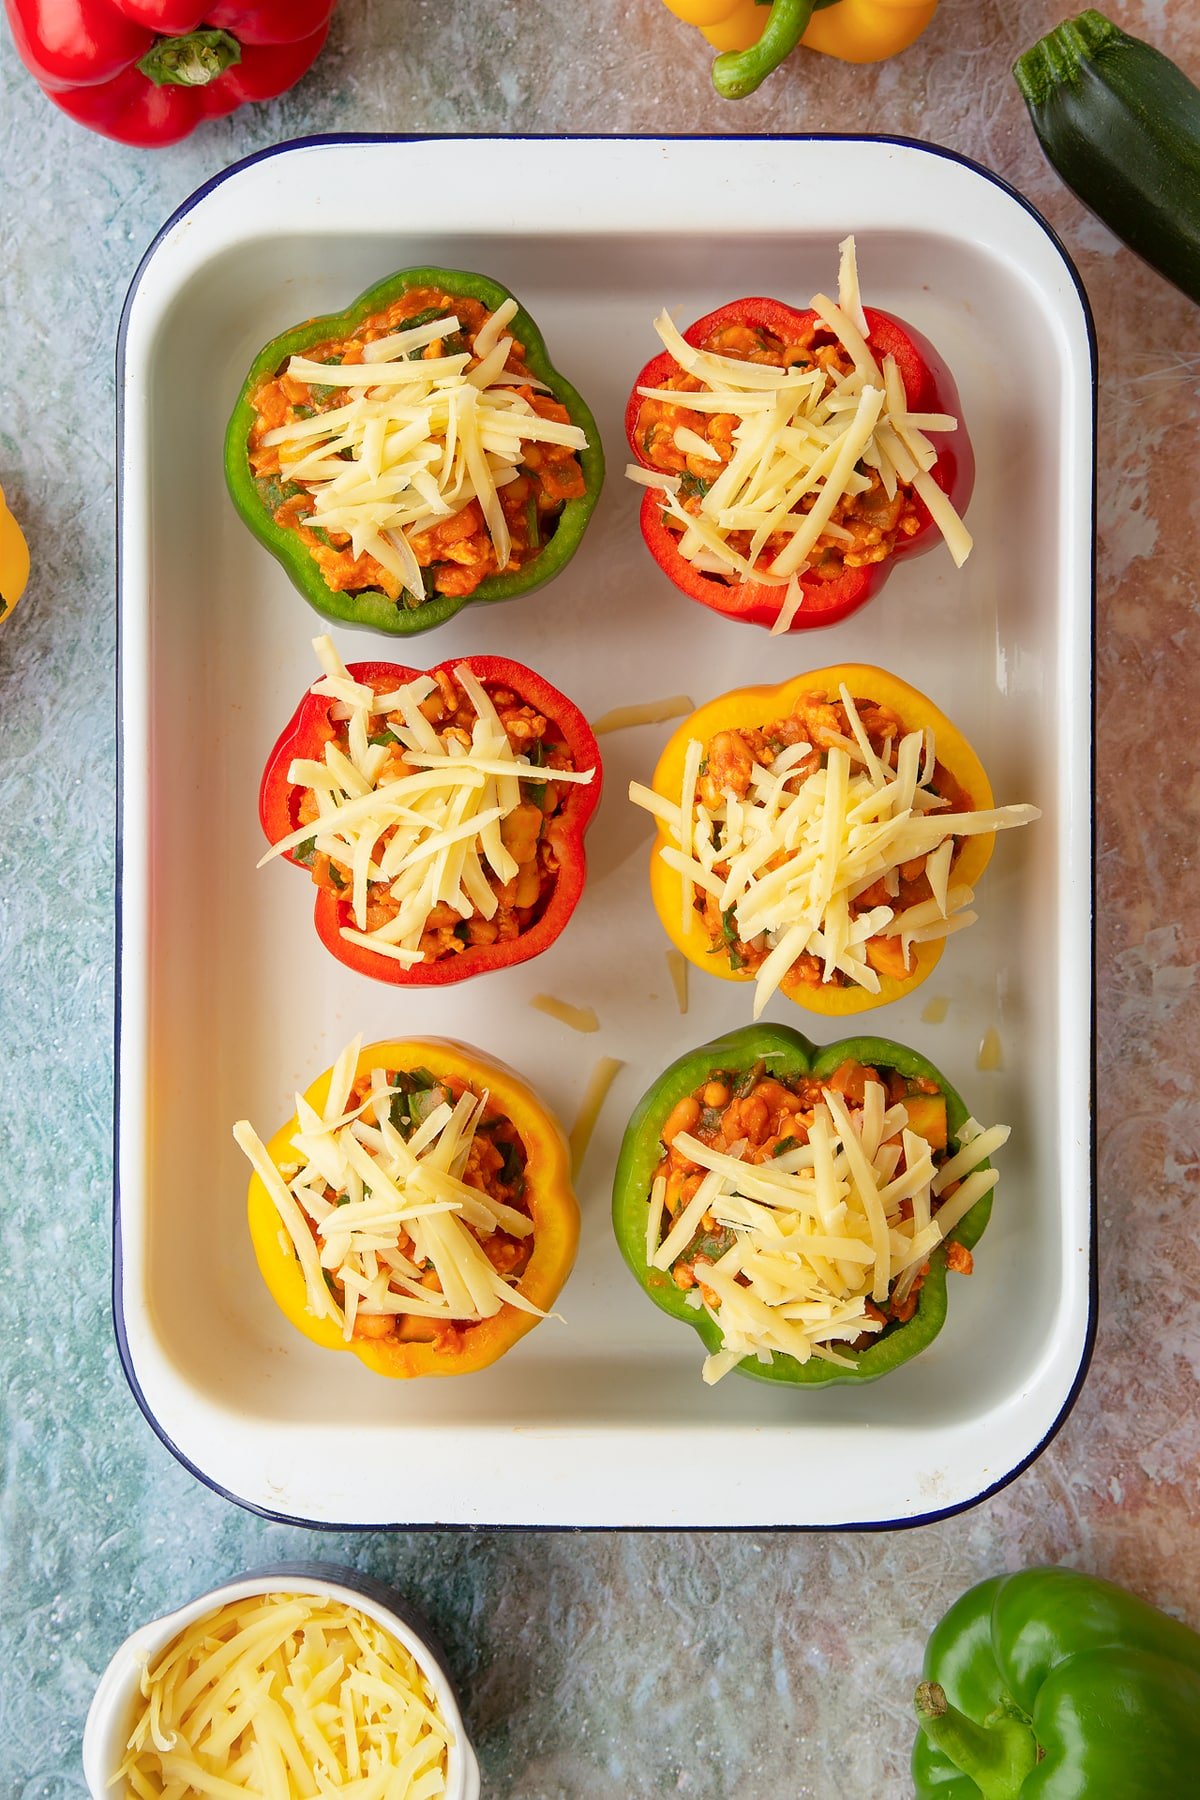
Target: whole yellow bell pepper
(14, 560)
(747, 708)
(858, 31)
(413, 1349)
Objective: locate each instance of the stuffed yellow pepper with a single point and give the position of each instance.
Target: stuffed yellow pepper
(822, 837)
(417, 1209)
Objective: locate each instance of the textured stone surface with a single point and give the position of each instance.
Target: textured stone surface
(595, 1665)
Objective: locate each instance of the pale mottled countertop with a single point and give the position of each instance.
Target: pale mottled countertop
(598, 1664)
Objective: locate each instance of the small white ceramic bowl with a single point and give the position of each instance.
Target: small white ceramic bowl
(104, 1735)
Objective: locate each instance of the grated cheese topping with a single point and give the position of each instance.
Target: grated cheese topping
(358, 1187)
(785, 861)
(287, 1696)
(800, 436)
(819, 1230)
(430, 836)
(415, 442)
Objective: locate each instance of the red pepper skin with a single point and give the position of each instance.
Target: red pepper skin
(84, 55)
(928, 387)
(306, 734)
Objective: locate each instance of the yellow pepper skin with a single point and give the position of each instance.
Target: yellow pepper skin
(548, 1192)
(14, 560)
(867, 31)
(854, 31)
(759, 706)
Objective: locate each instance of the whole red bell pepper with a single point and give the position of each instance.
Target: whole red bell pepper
(929, 388)
(147, 72)
(305, 737)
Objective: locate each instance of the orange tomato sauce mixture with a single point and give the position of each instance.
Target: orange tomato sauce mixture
(458, 550)
(527, 832)
(757, 1116)
(728, 761)
(868, 525)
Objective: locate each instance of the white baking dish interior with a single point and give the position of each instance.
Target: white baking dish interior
(229, 1003)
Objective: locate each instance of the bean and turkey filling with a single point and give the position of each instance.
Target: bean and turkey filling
(493, 1165)
(818, 1203)
(527, 832)
(405, 1203)
(389, 485)
(820, 724)
(695, 446)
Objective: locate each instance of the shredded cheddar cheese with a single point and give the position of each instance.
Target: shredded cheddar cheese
(644, 712)
(677, 967)
(820, 1229)
(803, 436)
(432, 834)
(601, 1079)
(415, 441)
(794, 854)
(579, 1018)
(285, 1696)
(357, 1184)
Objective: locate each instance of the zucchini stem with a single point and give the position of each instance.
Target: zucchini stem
(1059, 56)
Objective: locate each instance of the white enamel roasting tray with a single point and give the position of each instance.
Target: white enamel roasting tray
(228, 1003)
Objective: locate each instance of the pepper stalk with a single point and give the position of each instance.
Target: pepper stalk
(192, 60)
(738, 72)
(997, 1755)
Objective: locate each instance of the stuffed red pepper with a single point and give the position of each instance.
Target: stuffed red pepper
(441, 813)
(789, 457)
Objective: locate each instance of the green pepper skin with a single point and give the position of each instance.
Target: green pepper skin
(786, 1052)
(372, 607)
(1103, 1688)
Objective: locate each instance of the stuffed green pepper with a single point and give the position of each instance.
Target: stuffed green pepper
(800, 1207)
(414, 453)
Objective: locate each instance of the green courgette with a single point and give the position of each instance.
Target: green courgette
(1121, 124)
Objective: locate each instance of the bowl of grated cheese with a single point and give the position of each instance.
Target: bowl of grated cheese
(292, 1682)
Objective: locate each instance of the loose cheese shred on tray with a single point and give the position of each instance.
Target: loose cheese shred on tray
(414, 442)
(820, 1229)
(793, 853)
(646, 712)
(677, 966)
(579, 1018)
(287, 1696)
(802, 437)
(428, 838)
(360, 1186)
(599, 1082)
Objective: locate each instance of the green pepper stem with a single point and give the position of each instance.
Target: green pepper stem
(738, 72)
(997, 1756)
(1057, 59)
(192, 60)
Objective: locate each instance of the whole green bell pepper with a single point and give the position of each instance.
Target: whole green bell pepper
(1053, 1685)
(784, 1052)
(257, 499)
